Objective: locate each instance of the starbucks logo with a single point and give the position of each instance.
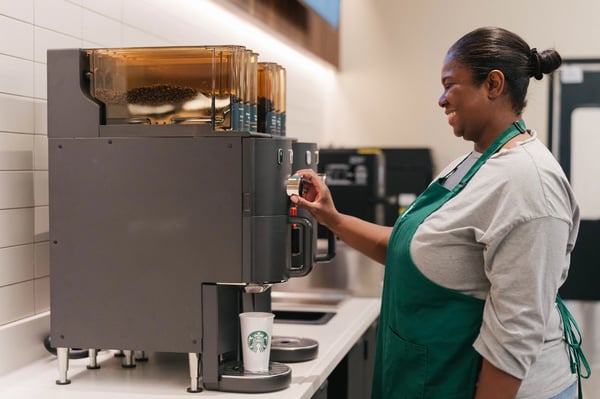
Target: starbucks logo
(257, 341)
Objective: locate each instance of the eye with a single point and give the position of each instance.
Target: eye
(447, 85)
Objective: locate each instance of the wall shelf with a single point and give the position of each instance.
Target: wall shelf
(298, 23)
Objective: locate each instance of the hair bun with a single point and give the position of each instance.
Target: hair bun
(535, 64)
(545, 62)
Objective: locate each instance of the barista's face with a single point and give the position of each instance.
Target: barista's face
(464, 102)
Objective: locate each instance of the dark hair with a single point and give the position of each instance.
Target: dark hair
(489, 48)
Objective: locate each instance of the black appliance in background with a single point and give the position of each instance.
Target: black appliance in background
(375, 184)
(408, 172)
(577, 88)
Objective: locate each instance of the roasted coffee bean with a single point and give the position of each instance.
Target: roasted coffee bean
(110, 96)
(160, 94)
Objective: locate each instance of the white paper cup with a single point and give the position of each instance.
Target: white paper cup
(257, 330)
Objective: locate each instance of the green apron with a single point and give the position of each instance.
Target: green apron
(426, 331)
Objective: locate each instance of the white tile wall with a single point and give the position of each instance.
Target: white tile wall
(17, 264)
(40, 152)
(41, 291)
(11, 28)
(22, 10)
(109, 8)
(16, 151)
(28, 28)
(16, 76)
(17, 189)
(16, 226)
(41, 259)
(16, 115)
(40, 188)
(17, 301)
(40, 115)
(59, 16)
(102, 30)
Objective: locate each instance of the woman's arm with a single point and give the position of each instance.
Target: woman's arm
(496, 384)
(368, 238)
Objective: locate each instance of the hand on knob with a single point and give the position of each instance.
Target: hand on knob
(315, 197)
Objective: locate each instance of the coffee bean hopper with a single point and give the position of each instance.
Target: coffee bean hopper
(166, 221)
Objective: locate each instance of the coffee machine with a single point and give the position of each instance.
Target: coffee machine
(161, 233)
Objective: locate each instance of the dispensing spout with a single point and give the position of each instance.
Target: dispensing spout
(256, 288)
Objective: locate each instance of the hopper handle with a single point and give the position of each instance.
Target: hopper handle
(307, 250)
(330, 254)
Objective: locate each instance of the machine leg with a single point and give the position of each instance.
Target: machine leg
(93, 356)
(63, 366)
(194, 360)
(128, 359)
(140, 356)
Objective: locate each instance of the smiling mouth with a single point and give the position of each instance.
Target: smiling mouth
(451, 116)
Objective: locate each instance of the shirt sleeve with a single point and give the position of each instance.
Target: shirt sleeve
(525, 267)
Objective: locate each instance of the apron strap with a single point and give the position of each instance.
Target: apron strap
(513, 130)
(572, 337)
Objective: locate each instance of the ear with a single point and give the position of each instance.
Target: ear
(495, 83)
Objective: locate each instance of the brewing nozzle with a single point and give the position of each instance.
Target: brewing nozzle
(256, 288)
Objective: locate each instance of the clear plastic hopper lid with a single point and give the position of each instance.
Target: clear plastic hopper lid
(166, 85)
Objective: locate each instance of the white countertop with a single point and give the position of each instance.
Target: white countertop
(166, 375)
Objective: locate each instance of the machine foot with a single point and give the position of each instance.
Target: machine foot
(62, 355)
(194, 362)
(93, 356)
(128, 360)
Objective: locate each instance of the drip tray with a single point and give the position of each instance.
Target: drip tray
(292, 349)
(233, 378)
(302, 317)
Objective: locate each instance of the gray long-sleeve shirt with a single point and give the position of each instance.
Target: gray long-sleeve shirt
(507, 238)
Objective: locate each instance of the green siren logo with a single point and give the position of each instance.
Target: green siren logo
(257, 341)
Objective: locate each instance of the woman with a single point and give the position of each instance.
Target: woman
(473, 266)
